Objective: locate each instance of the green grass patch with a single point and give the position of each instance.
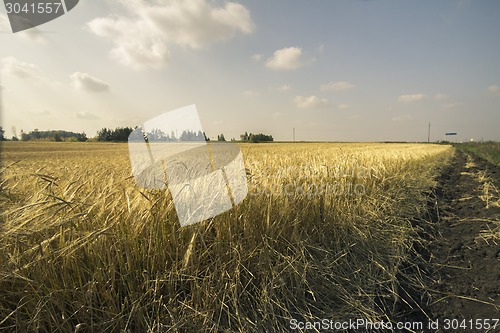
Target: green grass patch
(489, 150)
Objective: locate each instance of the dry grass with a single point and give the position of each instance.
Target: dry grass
(489, 193)
(83, 249)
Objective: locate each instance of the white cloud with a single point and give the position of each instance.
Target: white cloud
(86, 115)
(250, 93)
(257, 57)
(411, 98)
(86, 82)
(494, 89)
(309, 102)
(334, 86)
(197, 23)
(141, 41)
(286, 59)
(136, 45)
(23, 70)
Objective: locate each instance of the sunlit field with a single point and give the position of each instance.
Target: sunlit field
(323, 233)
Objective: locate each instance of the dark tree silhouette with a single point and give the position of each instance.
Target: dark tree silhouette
(119, 134)
(256, 137)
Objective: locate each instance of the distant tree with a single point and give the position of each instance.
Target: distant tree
(35, 134)
(200, 136)
(221, 137)
(2, 132)
(155, 134)
(81, 137)
(119, 134)
(244, 137)
(188, 135)
(256, 137)
(104, 134)
(185, 136)
(24, 136)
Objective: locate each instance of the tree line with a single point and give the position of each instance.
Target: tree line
(256, 137)
(52, 135)
(260, 137)
(155, 135)
(121, 134)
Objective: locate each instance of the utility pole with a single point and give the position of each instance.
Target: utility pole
(294, 134)
(429, 134)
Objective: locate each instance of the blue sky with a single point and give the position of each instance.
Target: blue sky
(333, 70)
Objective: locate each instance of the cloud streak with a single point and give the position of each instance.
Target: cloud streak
(282, 88)
(86, 82)
(440, 97)
(23, 70)
(336, 86)
(344, 106)
(304, 102)
(407, 99)
(250, 93)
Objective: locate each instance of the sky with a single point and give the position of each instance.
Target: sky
(343, 70)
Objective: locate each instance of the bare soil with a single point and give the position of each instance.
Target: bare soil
(465, 263)
(458, 261)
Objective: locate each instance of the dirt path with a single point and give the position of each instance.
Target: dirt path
(464, 260)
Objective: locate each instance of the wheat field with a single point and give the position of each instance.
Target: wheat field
(323, 233)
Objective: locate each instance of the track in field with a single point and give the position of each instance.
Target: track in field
(461, 261)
